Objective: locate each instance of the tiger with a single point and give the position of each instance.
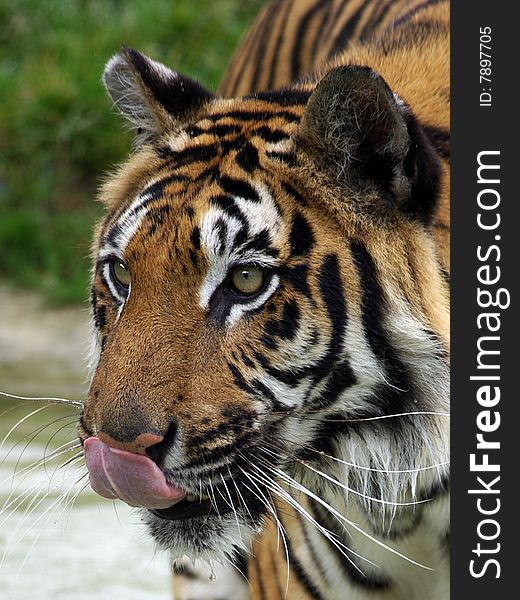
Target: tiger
(270, 306)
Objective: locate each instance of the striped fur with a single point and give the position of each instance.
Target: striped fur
(313, 413)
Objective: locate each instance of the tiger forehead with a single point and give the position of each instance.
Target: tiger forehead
(230, 131)
(229, 124)
(222, 218)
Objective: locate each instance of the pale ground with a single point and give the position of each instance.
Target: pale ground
(98, 550)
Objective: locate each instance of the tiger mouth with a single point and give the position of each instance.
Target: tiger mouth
(139, 482)
(192, 508)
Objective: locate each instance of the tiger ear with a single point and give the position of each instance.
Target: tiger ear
(151, 96)
(364, 137)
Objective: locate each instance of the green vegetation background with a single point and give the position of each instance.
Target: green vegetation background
(58, 133)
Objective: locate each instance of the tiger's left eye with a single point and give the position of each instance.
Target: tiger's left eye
(246, 279)
(120, 273)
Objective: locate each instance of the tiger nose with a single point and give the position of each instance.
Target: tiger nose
(138, 445)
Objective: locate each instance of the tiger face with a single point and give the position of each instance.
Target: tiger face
(265, 279)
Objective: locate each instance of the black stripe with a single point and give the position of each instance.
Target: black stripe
(247, 157)
(298, 276)
(267, 394)
(222, 231)
(371, 26)
(325, 519)
(260, 50)
(271, 135)
(301, 574)
(246, 360)
(342, 378)
(398, 390)
(369, 19)
(222, 130)
(299, 38)
(241, 236)
(156, 190)
(315, 554)
(239, 379)
(219, 306)
(236, 420)
(276, 577)
(240, 560)
(293, 193)
(320, 31)
(156, 217)
(251, 36)
(301, 238)
(113, 234)
(195, 238)
(331, 289)
(348, 30)
(249, 115)
(288, 158)
(200, 153)
(237, 187)
(275, 58)
(260, 242)
(410, 14)
(100, 312)
(260, 580)
(209, 455)
(228, 206)
(287, 326)
(268, 342)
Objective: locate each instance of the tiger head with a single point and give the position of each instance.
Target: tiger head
(265, 286)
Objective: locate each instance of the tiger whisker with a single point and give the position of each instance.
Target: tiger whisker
(374, 470)
(211, 495)
(22, 497)
(33, 505)
(43, 399)
(72, 501)
(362, 467)
(54, 506)
(64, 448)
(239, 494)
(352, 490)
(233, 508)
(53, 436)
(323, 530)
(18, 423)
(9, 501)
(293, 483)
(279, 525)
(34, 434)
(304, 414)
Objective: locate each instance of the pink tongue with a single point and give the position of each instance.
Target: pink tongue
(134, 478)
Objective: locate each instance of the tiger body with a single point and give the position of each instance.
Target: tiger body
(309, 415)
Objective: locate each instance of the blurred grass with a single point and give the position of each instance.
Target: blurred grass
(57, 131)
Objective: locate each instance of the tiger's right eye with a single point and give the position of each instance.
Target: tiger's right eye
(120, 273)
(247, 280)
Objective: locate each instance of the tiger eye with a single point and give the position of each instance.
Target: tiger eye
(120, 273)
(247, 279)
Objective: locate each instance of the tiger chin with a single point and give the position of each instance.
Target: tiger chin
(271, 313)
